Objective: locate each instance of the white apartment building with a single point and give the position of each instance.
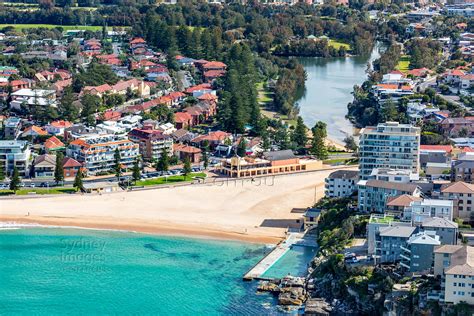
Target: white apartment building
(15, 153)
(389, 145)
(341, 183)
(97, 152)
(427, 208)
(31, 97)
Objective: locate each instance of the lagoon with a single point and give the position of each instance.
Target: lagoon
(328, 90)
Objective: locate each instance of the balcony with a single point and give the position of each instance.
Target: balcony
(405, 257)
(404, 265)
(405, 249)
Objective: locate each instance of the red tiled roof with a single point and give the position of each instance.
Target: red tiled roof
(53, 142)
(101, 89)
(36, 129)
(208, 97)
(446, 148)
(137, 40)
(69, 162)
(61, 124)
(214, 64)
(181, 117)
(204, 86)
(186, 149)
(214, 73)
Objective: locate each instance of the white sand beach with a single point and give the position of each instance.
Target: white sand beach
(240, 210)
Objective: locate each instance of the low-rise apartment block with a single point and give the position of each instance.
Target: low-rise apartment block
(341, 183)
(97, 152)
(152, 143)
(462, 194)
(15, 153)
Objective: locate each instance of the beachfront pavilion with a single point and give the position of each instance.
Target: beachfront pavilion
(275, 162)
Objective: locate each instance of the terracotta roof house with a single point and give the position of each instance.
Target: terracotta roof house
(419, 72)
(34, 131)
(57, 127)
(182, 120)
(214, 65)
(71, 167)
(396, 204)
(184, 151)
(53, 144)
(446, 148)
(211, 75)
(213, 138)
(453, 126)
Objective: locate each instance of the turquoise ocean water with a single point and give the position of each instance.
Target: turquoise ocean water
(46, 271)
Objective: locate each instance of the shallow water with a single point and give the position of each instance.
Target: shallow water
(48, 271)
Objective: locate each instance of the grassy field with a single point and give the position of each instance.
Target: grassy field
(264, 96)
(336, 44)
(404, 64)
(41, 191)
(170, 179)
(50, 26)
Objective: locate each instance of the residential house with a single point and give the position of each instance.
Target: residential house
(446, 229)
(44, 166)
(212, 138)
(455, 265)
(463, 168)
(395, 205)
(341, 183)
(12, 127)
(418, 211)
(417, 254)
(462, 194)
(457, 126)
(71, 167)
(183, 120)
(57, 127)
(376, 222)
(53, 144)
(33, 131)
(187, 152)
(435, 153)
(311, 218)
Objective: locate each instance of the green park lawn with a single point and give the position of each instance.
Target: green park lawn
(404, 64)
(337, 44)
(170, 179)
(41, 191)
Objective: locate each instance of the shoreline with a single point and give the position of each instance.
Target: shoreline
(27, 222)
(242, 210)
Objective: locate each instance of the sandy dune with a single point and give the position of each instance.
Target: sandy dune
(243, 209)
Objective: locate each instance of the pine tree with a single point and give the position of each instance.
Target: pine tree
(163, 162)
(15, 181)
(187, 167)
(242, 147)
(78, 184)
(136, 175)
(59, 170)
(117, 164)
(2, 172)
(205, 157)
(299, 135)
(318, 145)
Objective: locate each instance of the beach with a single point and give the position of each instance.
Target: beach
(254, 211)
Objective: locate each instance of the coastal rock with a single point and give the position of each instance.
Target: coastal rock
(267, 286)
(289, 299)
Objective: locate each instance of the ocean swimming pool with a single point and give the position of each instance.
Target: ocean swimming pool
(295, 262)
